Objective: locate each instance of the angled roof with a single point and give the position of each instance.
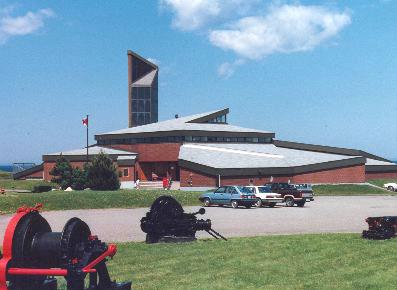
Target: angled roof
(94, 150)
(327, 149)
(146, 80)
(142, 59)
(188, 123)
(229, 159)
(371, 162)
(80, 154)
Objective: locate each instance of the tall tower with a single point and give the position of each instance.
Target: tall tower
(142, 90)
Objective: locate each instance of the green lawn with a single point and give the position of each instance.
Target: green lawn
(380, 182)
(349, 189)
(9, 183)
(4, 174)
(60, 200)
(331, 261)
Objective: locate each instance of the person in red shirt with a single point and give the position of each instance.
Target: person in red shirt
(165, 183)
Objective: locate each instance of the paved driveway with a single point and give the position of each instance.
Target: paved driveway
(324, 215)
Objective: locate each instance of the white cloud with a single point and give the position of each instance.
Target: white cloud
(22, 25)
(227, 69)
(154, 60)
(285, 29)
(194, 14)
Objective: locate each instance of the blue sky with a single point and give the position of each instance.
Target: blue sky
(321, 72)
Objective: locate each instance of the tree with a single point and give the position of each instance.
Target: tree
(62, 172)
(79, 178)
(102, 174)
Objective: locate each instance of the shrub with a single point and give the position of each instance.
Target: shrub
(102, 174)
(62, 172)
(79, 178)
(41, 188)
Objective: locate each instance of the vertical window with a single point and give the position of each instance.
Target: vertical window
(134, 105)
(141, 106)
(141, 119)
(147, 106)
(141, 93)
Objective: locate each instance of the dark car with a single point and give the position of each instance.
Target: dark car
(297, 194)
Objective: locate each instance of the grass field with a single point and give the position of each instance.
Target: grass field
(349, 189)
(381, 182)
(9, 183)
(4, 174)
(332, 261)
(60, 200)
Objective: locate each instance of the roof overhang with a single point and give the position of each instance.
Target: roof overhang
(28, 171)
(126, 160)
(185, 133)
(268, 171)
(327, 149)
(76, 158)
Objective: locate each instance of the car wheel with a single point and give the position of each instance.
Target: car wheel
(289, 201)
(390, 188)
(272, 204)
(301, 203)
(247, 206)
(206, 202)
(234, 204)
(258, 202)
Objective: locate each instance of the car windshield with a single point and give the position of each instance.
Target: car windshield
(245, 189)
(304, 186)
(264, 189)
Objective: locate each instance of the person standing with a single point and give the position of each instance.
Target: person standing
(165, 183)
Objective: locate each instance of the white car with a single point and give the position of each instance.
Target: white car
(265, 196)
(392, 186)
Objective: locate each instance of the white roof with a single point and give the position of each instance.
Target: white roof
(181, 124)
(223, 155)
(146, 80)
(378, 162)
(128, 157)
(94, 150)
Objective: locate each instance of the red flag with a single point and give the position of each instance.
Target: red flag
(85, 121)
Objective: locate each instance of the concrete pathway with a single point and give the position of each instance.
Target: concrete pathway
(325, 215)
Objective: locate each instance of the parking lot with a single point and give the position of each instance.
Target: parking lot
(340, 214)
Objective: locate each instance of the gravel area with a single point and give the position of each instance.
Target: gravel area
(342, 214)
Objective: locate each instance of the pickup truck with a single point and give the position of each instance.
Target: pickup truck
(293, 194)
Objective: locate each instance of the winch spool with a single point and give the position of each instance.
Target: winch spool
(167, 222)
(33, 255)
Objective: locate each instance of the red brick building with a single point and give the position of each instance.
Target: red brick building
(203, 150)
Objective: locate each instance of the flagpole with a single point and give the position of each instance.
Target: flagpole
(87, 138)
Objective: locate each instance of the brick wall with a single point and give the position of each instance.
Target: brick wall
(256, 180)
(198, 179)
(48, 166)
(353, 174)
(380, 175)
(130, 171)
(161, 152)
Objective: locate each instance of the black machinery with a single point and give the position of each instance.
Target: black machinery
(167, 222)
(33, 255)
(381, 228)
